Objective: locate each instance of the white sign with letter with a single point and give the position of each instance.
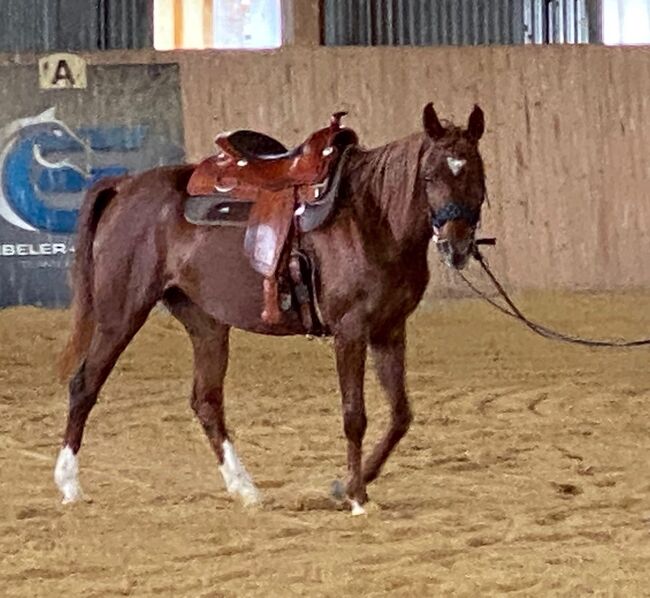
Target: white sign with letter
(62, 71)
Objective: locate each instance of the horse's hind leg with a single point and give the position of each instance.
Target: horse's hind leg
(210, 340)
(107, 344)
(388, 350)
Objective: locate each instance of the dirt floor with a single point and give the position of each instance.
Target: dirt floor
(527, 470)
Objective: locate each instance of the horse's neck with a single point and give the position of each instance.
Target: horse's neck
(386, 197)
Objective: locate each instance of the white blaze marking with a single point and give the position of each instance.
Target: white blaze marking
(455, 165)
(237, 479)
(241, 163)
(66, 475)
(328, 150)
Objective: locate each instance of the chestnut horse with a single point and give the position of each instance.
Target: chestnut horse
(135, 248)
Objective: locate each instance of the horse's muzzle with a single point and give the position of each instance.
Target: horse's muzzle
(455, 243)
(452, 256)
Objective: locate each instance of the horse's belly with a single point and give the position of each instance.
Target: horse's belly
(217, 276)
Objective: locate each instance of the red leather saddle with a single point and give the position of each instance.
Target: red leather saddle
(256, 168)
(250, 161)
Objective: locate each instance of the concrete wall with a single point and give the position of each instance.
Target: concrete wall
(566, 146)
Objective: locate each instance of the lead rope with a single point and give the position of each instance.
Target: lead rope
(534, 326)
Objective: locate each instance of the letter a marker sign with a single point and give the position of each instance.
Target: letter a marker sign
(62, 71)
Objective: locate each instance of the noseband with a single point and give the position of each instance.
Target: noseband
(454, 211)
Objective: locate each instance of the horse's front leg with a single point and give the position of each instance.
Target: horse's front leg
(350, 364)
(388, 349)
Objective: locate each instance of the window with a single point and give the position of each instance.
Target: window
(626, 22)
(228, 24)
(556, 21)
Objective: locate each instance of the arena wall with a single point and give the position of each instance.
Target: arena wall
(565, 147)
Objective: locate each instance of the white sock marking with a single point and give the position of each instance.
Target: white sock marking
(237, 479)
(66, 475)
(357, 509)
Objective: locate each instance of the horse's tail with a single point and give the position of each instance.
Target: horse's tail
(83, 316)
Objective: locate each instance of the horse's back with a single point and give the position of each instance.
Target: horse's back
(157, 185)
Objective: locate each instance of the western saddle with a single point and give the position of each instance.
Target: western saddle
(282, 186)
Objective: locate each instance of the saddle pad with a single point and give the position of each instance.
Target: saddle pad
(217, 210)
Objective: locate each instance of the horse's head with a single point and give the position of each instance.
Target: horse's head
(454, 183)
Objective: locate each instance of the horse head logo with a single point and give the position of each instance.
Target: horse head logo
(40, 184)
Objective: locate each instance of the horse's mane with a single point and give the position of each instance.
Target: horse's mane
(389, 174)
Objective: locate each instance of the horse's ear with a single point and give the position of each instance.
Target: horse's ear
(475, 124)
(431, 123)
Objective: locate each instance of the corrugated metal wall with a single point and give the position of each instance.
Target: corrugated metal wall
(457, 22)
(557, 21)
(422, 22)
(46, 25)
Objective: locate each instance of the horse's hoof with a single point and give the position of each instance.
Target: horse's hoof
(337, 490)
(356, 509)
(78, 498)
(250, 497)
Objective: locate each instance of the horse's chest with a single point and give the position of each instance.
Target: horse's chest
(380, 291)
(397, 292)
(370, 278)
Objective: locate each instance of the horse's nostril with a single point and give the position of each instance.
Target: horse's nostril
(459, 260)
(444, 246)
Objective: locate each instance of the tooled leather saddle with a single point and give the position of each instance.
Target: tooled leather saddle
(277, 194)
